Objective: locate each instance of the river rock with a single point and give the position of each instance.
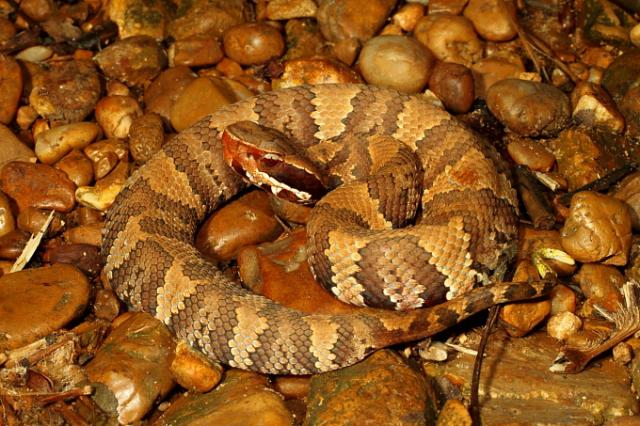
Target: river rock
(352, 19)
(53, 144)
(598, 229)
(65, 91)
(529, 108)
(248, 220)
(242, 399)
(316, 70)
(516, 385)
(382, 389)
(134, 60)
(141, 17)
(12, 148)
(253, 43)
(450, 38)
(7, 221)
(201, 97)
(279, 271)
(210, 17)
(36, 302)
(163, 91)
(492, 19)
(38, 185)
(130, 371)
(10, 88)
(396, 61)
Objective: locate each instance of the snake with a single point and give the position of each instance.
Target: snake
(446, 257)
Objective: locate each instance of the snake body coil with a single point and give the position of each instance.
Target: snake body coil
(468, 210)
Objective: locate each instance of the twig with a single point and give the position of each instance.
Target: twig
(537, 206)
(599, 184)
(31, 246)
(474, 405)
(45, 398)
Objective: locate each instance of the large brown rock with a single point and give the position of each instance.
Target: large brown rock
(598, 229)
(382, 389)
(36, 302)
(130, 371)
(529, 108)
(242, 399)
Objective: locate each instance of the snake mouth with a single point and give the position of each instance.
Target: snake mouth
(265, 159)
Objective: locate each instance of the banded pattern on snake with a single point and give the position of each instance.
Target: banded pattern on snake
(468, 213)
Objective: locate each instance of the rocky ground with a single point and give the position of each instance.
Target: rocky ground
(89, 90)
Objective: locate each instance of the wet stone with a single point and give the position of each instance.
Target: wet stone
(352, 19)
(242, 399)
(395, 61)
(160, 95)
(317, 70)
(529, 108)
(12, 244)
(383, 386)
(36, 302)
(53, 144)
(66, 91)
(134, 60)
(598, 229)
(37, 185)
(516, 385)
(10, 88)
(141, 17)
(211, 17)
(7, 221)
(279, 271)
(131, 368)
(12, 148)
(253, 43)
(246, 221)
(201, 97)
(193, 371)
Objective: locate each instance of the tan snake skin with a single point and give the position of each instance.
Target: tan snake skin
(467, 229)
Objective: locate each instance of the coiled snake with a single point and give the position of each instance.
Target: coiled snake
(466, 230)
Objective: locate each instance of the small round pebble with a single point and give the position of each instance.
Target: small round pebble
(450, 38)
(397, 62)
(115, 115)
(492, 19)
(530, 153)
(253, 43)
(563, 325)
(529, 108)
(52, 145)
(77, 167)
(453, 85)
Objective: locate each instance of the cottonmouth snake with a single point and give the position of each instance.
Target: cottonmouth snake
(468, 212)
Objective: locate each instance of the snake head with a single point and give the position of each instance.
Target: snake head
(267, 159)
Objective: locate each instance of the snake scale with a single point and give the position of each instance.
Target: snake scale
(468, 209)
